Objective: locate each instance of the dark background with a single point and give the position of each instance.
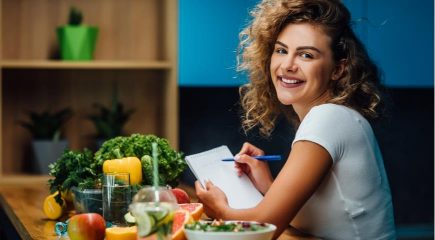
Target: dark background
(209, 117)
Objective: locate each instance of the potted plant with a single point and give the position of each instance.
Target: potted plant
(47, 144)
(109, 122)
(77, 41)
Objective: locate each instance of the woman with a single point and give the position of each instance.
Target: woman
(305, 62)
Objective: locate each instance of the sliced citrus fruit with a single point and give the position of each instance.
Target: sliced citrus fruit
(51, 208)
(181, 217)
(169, 217)
(145, 224)
(121, 233)
(195, 209)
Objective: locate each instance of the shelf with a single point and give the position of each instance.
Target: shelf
(97, 64)
(136, 53)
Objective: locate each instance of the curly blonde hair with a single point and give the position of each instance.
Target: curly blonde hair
(357, 87)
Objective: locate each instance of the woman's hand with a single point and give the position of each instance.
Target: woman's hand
(213, 198)
(257, 171)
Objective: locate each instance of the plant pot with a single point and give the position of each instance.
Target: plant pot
(46, 152)
(77, 42)
(87, 200)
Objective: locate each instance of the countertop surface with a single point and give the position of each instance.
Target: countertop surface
(21, 199)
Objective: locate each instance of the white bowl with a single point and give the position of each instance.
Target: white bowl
(263, 234)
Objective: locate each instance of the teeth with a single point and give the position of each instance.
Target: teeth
(293, 81)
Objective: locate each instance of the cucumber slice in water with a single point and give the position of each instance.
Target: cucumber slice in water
(129, 218)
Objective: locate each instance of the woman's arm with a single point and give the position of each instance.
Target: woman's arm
(301, 175)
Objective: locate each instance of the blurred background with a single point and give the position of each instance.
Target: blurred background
(168, 68)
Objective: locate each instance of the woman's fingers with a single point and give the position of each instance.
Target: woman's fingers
(251, 150)
(244, 160)
(208, 184)
(199, 189)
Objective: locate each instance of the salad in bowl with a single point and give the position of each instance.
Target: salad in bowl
(229, 230)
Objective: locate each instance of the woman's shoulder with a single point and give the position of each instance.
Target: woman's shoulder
(334, 112)
(333, 116)
(332, 109)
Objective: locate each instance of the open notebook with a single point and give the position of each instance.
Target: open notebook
(240, 191)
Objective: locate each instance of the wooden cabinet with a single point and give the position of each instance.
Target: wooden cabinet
(136, 51)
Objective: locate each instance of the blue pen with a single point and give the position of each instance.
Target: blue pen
(261, 158)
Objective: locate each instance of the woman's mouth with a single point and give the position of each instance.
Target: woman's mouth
(290, 82)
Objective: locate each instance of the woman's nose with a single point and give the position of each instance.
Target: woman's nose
(289, 65)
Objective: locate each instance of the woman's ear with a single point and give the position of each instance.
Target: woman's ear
(339, 70)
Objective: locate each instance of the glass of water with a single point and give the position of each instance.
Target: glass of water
(116, 197)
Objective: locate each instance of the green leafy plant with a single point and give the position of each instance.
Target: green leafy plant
(109, 122)
(75, 16)
(74, 169)
(84, 169)
(47, 125)
(171, 162)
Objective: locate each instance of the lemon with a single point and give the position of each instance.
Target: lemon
(51, 208)
(169, 217)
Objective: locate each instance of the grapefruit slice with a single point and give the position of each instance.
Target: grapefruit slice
(181, 217)
(195, 209)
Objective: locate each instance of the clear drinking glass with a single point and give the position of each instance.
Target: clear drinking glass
(116, 197)
(154, 210)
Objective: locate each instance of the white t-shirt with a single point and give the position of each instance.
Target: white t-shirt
(354, 200)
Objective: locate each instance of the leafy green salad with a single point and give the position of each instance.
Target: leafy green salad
(221, 226)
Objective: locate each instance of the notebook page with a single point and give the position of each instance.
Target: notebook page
(240, 191)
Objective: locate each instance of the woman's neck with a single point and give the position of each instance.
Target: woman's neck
(302, 109)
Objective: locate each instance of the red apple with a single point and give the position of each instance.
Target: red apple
(86, 226)
(181, 195)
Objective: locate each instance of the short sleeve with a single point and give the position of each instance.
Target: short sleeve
(327, 125)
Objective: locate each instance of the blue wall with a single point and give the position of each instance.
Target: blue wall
(208, 34)
(404, 46)
(399, 35)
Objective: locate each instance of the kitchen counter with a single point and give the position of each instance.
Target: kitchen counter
(21, 215)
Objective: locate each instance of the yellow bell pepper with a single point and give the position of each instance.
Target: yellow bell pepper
(130, 165)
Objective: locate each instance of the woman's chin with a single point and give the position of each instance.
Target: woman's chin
(286, 100)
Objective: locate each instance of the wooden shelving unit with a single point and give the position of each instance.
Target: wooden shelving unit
(97, 64)
(136, 52)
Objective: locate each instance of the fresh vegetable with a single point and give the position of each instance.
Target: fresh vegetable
(129, 219)
(84, 169)
(131, 165)
(74, 168)
(171, 162)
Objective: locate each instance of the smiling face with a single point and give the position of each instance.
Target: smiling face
(302, 67)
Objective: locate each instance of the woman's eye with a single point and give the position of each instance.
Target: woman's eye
(306, 55)
(280, 51)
